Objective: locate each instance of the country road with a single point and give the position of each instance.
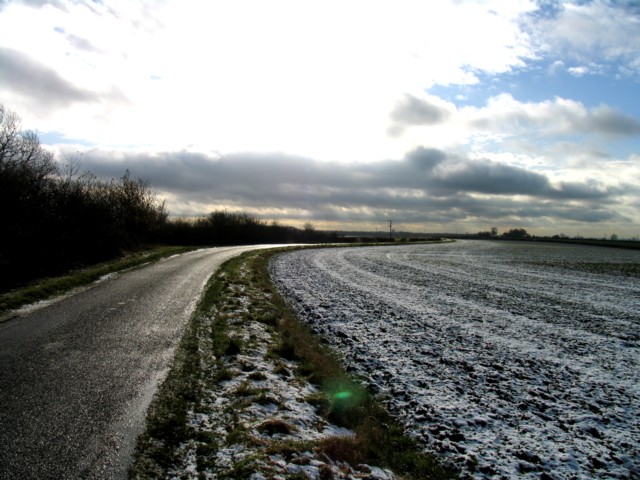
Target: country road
(77, 376)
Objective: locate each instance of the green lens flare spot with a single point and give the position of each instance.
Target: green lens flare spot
(342, 395)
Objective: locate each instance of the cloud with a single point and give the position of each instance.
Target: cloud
(262, 176)
(489, 177)
(427, 185)
(22, 74)
(43, 85)
(582, 70)
(423, 158)
(608, 121)
(584, 31)
(81, 43)
(556, 67)
(78, 42)
(317, 79)
(555, 117)
(578, 71)
(30, 3)
(412, 110)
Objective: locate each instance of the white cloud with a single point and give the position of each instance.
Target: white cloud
(588, 31)
(316, 78)
(555, 67)
(578, 71)
(507, 126)
(556, 117)
(582, 70)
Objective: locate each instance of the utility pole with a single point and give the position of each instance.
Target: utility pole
(390, 223)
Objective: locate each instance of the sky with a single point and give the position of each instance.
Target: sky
(441, 115)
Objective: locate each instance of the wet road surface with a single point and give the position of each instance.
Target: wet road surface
(77, 376)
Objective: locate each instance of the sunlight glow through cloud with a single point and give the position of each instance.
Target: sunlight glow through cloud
(345, 83)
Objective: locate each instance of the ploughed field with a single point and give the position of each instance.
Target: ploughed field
(507, 358)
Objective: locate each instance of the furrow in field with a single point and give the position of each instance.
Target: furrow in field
(508, 359)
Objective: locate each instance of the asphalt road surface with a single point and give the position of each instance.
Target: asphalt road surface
(77, 376)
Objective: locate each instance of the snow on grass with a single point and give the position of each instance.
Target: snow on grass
(509, 359)
(257, 419)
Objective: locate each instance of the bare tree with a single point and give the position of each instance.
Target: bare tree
(21, 152)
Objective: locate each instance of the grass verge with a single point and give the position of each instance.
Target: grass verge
(241, 291)
(46, 288)
(201, 346)
(379, 439)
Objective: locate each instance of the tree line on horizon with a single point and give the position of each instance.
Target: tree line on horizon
(54, 220)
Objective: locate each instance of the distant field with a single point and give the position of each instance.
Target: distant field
(508, 358)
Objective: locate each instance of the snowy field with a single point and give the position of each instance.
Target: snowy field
(510, 359)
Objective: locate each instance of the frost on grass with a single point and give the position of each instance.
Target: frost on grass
(512, 360)
(256, 419)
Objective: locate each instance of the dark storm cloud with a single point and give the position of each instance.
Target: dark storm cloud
(425, 158)
(267, 175)
(532, 210)
(427, 185)
(43, 84)
(590, 191)
(414, 111)
(486, 176)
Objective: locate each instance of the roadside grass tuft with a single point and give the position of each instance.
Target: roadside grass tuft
(247, 389)
(285, 349)
(257, 376)
(274, 426)
(233, 346)
(288, 448)
(348, 449)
